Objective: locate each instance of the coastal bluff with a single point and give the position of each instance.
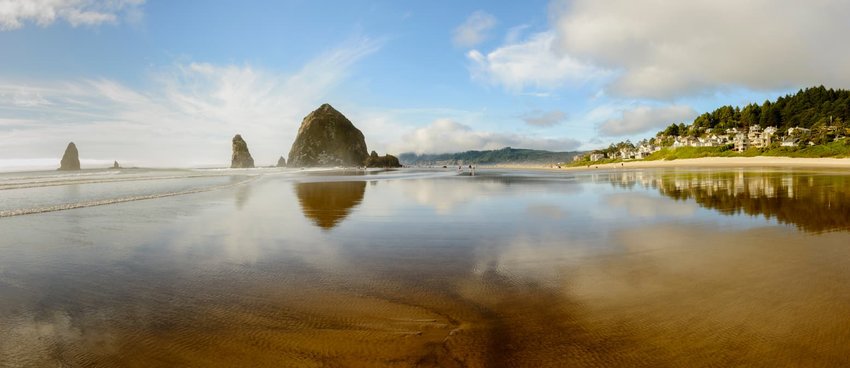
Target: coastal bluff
(327, 138)
(71, 158)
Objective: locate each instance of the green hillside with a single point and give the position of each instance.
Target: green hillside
(505, 155)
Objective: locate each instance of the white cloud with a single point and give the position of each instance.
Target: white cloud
(646, 118)
(665, 50)
(474, 30)
(186, 119)
(14, 14)
(534, 62)
(445, 135)
(544, 118)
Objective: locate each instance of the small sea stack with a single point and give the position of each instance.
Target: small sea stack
(241, 158)
(281, 162)
(71, 158)
(115, 165)
(386, 161)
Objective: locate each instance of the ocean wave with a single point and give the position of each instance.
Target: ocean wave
(57, 180)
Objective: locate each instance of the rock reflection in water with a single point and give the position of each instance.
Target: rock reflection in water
(328, 203)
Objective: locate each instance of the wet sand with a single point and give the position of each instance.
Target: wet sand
(499, 270)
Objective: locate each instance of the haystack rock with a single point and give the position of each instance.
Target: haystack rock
(241, 157)
(115, 165)
(281, 162)
(71, 158)
(327, 138)
(382, 161)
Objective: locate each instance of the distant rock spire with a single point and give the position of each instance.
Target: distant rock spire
(241, 157)
(71, 158)
(281, 162)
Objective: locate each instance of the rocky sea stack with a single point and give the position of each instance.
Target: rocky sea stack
(241, 158)
(281, 162)
(327, 138)
(71, 158)
(378, 161)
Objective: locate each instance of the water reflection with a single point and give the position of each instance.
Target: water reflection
(812, 202)
(443, 271)
(328, 203)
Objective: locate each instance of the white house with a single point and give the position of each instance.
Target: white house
(770, 130)
(741, 142)
(790, 142)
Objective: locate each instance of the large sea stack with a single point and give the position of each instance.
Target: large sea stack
(71, 158)
(241, 157)
(327, 138)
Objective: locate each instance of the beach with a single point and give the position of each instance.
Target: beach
(425, 268)
(706, 162)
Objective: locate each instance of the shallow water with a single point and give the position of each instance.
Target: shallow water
(425, 268)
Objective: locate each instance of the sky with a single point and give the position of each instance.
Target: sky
(168, 83)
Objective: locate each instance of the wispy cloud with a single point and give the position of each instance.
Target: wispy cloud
(474, 30)
(542, 119)
(14, 14)
(186, 119)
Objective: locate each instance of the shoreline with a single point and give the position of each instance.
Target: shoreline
(706, 162)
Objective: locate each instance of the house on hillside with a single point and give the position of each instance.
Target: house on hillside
(646, 150)
(797, 130)
(760, 138)
(741, 142)
(790, 142)
(596, 156)
(770, 130)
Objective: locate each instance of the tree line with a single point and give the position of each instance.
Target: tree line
(810, 108)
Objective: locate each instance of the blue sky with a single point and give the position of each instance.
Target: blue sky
(167, 83)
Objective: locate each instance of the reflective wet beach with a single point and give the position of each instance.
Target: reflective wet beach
(426, 268)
